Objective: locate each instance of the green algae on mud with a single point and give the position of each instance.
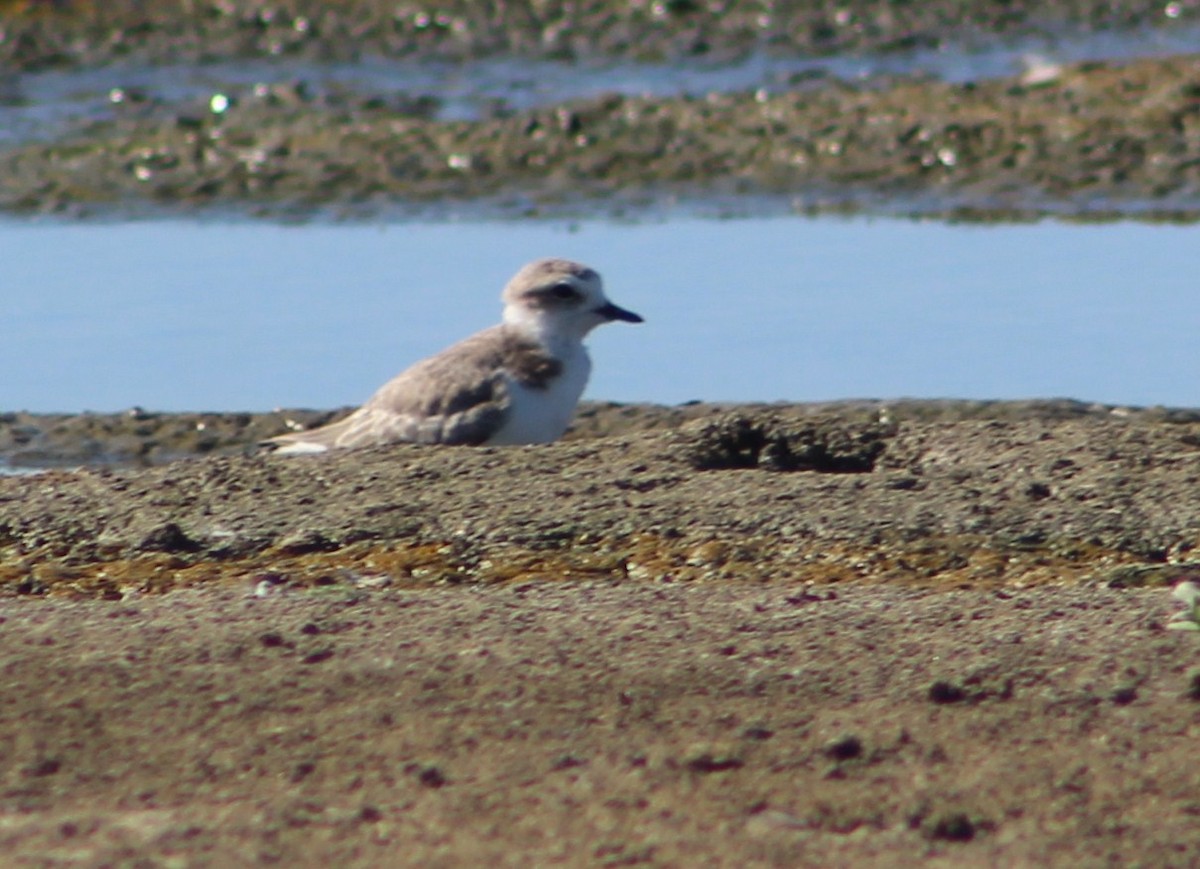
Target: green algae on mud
(1094, 138)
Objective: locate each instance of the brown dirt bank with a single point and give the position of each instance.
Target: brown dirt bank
(620, 650)
(38, 34)
(1092, 141)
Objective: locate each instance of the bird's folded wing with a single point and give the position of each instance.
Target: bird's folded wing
(431, 404)
(459, 396)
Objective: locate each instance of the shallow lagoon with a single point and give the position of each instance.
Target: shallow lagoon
(250, 316)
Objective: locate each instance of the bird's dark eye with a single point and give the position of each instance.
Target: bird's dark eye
(563, 291)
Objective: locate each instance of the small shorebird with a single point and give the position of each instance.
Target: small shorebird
(515, 383)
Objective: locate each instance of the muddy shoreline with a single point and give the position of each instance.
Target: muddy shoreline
(762, 637)
(139, 437)
(1092, 140)
(1045, 494)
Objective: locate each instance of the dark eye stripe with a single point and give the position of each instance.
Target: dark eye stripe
(564, 291)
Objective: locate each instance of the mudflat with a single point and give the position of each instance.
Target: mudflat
(1097, 139)
(756, 636)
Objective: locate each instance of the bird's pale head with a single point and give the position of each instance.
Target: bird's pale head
(560, 297)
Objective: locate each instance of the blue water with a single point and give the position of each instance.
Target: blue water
(250, 316)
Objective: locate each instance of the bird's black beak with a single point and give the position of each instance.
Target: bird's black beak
(615, 312)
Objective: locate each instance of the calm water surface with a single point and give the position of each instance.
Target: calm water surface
(250, 316)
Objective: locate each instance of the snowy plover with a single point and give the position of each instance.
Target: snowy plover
(515, 383)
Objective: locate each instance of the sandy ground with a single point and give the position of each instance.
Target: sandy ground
(600, 723)
(706, 645)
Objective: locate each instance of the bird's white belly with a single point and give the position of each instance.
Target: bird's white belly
(539, 416)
